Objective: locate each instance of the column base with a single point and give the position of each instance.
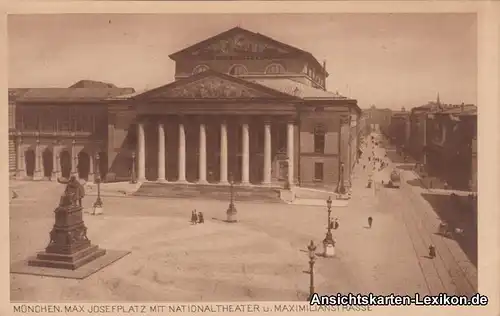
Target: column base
(182, 181)
(163, 180)
(202, 182)
(245, 183)
(141, 180)
(223, 182)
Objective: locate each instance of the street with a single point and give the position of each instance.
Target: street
(262, 257)
(451, 271)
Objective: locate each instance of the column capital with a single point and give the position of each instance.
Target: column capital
(290, 120)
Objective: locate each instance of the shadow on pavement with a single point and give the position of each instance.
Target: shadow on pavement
(461, 215)
(415, 183)
(406, 167)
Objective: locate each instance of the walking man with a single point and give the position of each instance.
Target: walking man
(432, 252)
(194, 217)
(370, 221)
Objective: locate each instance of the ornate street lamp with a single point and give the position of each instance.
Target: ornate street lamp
(133, 177)
(328, 242)
(98, 205)
(340, 186)
(312, 260)
(231, 210)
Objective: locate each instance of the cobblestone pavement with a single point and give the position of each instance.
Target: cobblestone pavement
(263, 257)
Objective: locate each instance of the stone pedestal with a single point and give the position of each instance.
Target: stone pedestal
(97, 210)
(231, 214)
(69, 248)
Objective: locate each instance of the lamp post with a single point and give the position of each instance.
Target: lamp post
(98, 205)
(341, 187)
(312, 260)
(328, 242)
(231, 210)
(133, 177)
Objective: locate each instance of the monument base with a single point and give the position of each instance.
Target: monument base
(111, 256)
(67, 261)
(231, 218)
(97, 210)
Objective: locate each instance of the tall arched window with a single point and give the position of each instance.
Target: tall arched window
(275, 69)
(319, 139)
(200, 68)
(237, 70)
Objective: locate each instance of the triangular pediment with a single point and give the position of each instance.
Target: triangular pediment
(212, 85)
(237, 42)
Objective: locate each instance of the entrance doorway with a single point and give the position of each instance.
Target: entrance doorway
(48, 163)
(65, 160)
(29, 157)
(83, 165)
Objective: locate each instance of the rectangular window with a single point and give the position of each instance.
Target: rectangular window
(319, 143)
(318, 171)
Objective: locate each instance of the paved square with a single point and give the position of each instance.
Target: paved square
(263, 257)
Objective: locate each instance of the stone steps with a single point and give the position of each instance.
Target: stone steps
(216, 192)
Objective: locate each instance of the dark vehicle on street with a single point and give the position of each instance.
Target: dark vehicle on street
(395, 179)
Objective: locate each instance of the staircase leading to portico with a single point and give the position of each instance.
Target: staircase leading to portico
(215, 192)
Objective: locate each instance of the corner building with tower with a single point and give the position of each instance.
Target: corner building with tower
(242, 105)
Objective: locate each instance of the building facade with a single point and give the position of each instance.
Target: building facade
(451, 145)
(243, 106)
(399, 128)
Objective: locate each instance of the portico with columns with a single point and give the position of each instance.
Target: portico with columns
(208, 149)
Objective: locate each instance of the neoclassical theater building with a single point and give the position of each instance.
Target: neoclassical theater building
(242, 106)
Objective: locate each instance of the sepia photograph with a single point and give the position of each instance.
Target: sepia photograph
(241, 157)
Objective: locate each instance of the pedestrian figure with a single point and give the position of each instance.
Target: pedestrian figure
(201, 219)
(194, 217)
(336, 223)
(432, 252)
(370, 221)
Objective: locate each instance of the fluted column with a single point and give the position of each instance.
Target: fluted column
(202, 168)
(182, 153)
(21, 168)
(74, 158)
(58, 167)
(245, 158)
(161, 153)
(91, 168)
(38, 168)
(223, 153)
(267, 153)
(290, 152)
(54, 161)
(141, 153)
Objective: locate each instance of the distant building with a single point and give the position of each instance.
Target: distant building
(399, 128)
(378, 119)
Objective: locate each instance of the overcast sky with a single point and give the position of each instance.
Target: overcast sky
(390, 60)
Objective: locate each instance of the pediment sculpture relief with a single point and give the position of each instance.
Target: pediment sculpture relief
(213, 88)
(239, 44)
